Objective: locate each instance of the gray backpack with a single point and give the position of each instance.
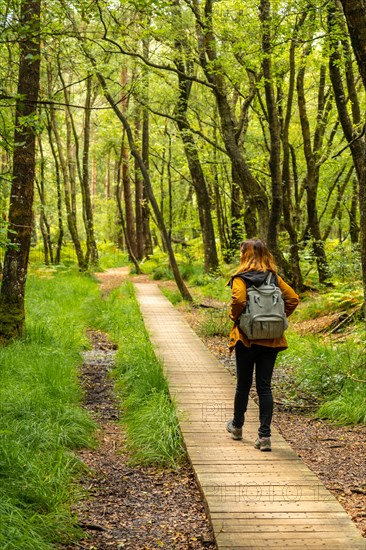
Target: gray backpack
(264, 316)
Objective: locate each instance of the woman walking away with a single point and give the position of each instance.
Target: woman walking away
(256, 264)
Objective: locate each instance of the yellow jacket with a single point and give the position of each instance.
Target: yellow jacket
(238, 301)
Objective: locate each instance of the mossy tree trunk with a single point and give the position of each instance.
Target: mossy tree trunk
(12, 313)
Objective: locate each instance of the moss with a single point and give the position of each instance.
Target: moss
(12, 319)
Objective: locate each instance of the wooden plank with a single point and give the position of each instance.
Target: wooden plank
(279, 525)
(254, 468)
(237, 542)
(275, 516)
(256, 493)
(221, 454)
(245, 504)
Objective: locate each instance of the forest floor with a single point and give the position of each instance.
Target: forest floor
(146, 508)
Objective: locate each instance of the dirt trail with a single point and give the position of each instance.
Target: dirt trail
(112, 278)
(133, 508)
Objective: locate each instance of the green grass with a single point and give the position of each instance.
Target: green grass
(348, 408)
(215, 322)
(149, 416)
(153, 435)
(41, 420)
(332, 374)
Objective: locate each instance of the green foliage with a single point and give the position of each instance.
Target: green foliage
(148, 414)
(345, 263)
(4, 239)
(41, 420)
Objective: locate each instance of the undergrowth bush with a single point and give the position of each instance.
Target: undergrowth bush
(110, 256)
(174, 296)
(149, 416)
(40, 418)
(341, 297)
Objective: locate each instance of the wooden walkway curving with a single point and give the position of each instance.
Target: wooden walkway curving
(255, 500)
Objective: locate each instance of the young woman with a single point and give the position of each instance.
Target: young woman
(255, 263)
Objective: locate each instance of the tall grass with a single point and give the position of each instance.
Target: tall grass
(149, 416)
(215, 322)
(40, 418)
(332, 374)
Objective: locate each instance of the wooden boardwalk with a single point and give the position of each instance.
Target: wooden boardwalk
(255, 500)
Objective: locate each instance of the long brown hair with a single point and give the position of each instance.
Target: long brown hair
(255, 256)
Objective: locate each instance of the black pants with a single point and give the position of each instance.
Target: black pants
(263, 358)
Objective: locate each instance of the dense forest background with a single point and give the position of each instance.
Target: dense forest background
(183, 126)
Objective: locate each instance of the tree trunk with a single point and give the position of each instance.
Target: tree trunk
(91, 245)
(126, 180)
(289, 184)
(131, 254)
(355, 12)
(222, 224)
(139, 196)
(255, 198)
(107, 187)
(147, 239)
(236, 225)
(312, 176)
(275, 135)
(12, 313)
(349, 127)
(127, 196)
(337, 208)
(211, 260)
(354, 228)
(70, 213)
(59, 193)
(43, 222)
(119, 235)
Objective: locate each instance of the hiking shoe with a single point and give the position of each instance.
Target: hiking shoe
(263, 443)
(236, 433)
